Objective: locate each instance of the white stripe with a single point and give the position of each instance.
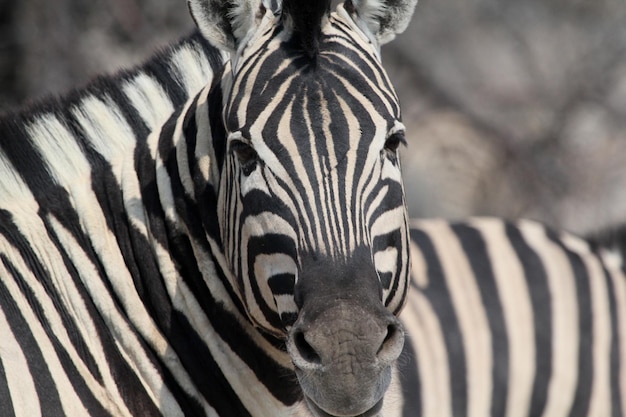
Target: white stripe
(329, 180)
(164, 183)
(149, 99)
(180, 143)
(387, 222)
(379, 73)
(270, 159)
(59, 148)
(105, 128)
(206, 264)
(250, 79)
(257, 226)
(296, 157)
(204, 152)
(31, 227)
(191, 67)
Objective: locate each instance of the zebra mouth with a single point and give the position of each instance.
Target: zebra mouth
(318, 412)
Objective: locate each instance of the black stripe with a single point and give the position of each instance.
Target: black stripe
(282, 284)
(439, 297)
(474, 245)
(206, 374)
(133, 392)
(537, 282)
(280, 381)
(205, 192)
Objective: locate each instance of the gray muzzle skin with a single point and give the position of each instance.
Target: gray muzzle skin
(345, 342)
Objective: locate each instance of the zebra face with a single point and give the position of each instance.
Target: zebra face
(311, 172)
(312, 213)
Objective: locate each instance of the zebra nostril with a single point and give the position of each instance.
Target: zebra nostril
(392, 344)
(304, 355)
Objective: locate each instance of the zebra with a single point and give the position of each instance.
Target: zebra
(219, 232)
(511, 318)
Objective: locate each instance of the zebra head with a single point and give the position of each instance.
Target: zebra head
(311, 205)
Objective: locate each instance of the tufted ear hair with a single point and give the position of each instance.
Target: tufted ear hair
(382, 19)
(225, 23)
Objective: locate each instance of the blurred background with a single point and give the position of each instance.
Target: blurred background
(513, 108)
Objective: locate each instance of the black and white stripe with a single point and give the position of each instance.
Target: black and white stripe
(512, 319)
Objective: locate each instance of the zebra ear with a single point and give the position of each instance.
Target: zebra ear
(225, 23)
(383, 19)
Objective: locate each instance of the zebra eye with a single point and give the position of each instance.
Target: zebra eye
(393, 142)
(246, 155)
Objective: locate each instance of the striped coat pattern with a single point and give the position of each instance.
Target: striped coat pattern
(134, 277)
(512, 319)
(113, 301)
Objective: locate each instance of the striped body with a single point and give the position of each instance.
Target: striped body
(512, 319)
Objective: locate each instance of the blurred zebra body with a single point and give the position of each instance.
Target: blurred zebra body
(512, 319)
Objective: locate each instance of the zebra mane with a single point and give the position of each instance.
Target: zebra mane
(305, 18)
(161, 66)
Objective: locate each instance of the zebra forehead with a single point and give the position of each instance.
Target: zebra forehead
(347, 85)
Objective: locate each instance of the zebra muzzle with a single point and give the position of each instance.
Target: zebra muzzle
(343, 357)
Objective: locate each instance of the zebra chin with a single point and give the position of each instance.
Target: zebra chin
(318, 412)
